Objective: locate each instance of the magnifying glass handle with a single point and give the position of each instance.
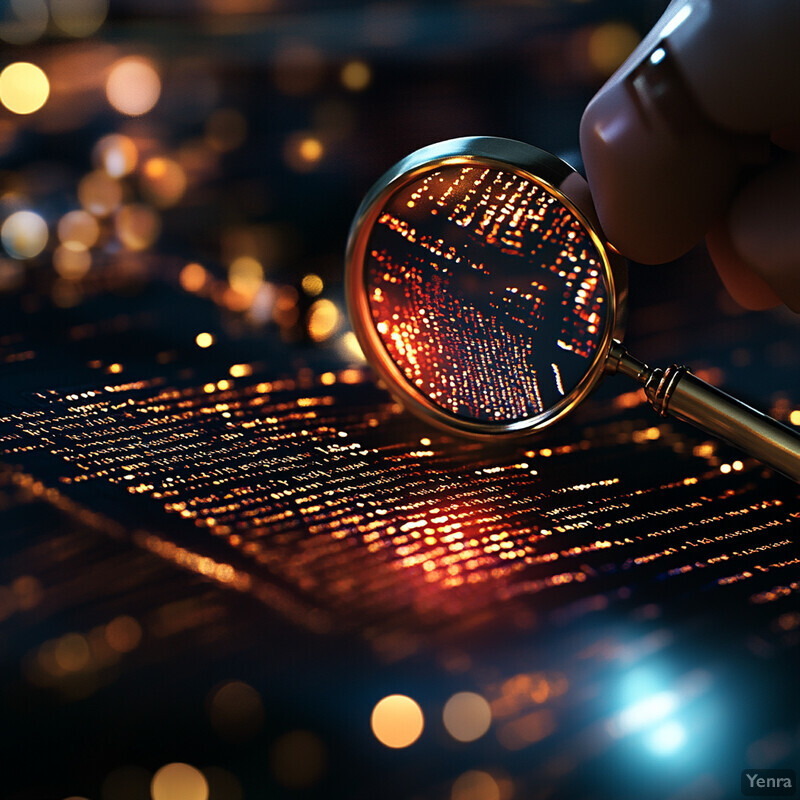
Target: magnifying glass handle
(677, 392)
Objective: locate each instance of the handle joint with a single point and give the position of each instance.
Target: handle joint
(660, 384)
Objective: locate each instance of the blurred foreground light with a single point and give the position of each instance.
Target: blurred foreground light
(356, 76)
(397, 721)
(72, 652)
(137, 226)
(124, 633)
(609, 45)
(78, 229)
(193, 277)
(263, 306)
(72, 261)
(350, 347)
(27, 591)
(116, 154)
(312, 284)
(240, 370)
(475, 785)
(79, 18)
(298, 759)
(24, 87)
(236, 711)
(133, 86)
(284, 308)
(245, 275)
(164, 181)
(204, 340)
(467, 716)
(24, 234)
(302, 152)
(646, 712)
(323, 320)
(179, 782)
(23, 21)
(667, 738)
(99, 193)
(12, 275)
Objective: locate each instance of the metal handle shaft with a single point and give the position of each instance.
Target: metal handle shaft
(678, 392)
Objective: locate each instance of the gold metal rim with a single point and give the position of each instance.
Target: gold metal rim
(509, 156)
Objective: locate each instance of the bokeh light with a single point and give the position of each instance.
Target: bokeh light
(312, 284)
(28, 592)
(284, 310)
(467, 716)
(79, 18)
(609, 45)
(133, 86)
(123, 633)
(24, 87)
(298, 759)
(356, 75)
(646, 711)
(99, 193)
(179, 781)
(72, 652)
(72, 261)
(24, 234)
(245, 275)
(116, 154)
(204, 340)
(236, 711)
(12, 275)
(78, 229)
(163, 181)
(667, 738)
(303, 151)
(475, 785)
(193, 277)
(323, 319)
(137, 226)
(240, 370)
(397, 721)
(350, 347)
(24, 21)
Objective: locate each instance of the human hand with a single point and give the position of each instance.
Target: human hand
(677, 145)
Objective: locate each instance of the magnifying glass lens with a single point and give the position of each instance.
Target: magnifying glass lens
(491, 307)
(487, 292)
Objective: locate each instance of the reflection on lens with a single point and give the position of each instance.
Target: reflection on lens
(487, 292)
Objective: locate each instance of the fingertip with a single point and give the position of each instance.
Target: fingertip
(763, 227)
(742, 282)
(658, 171)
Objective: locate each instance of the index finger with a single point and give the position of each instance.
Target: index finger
(664, 140)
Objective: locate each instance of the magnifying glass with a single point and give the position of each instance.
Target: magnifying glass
(481, 291)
